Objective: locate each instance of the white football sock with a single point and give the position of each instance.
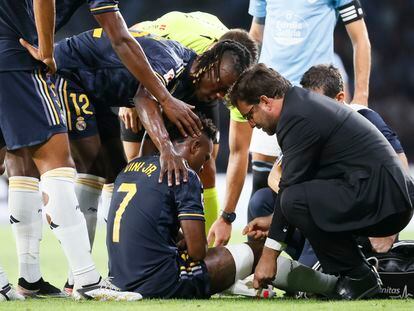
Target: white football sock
(3, 278)
(88, 191)
(243, 259)
(68, 223)
(106, 199)
(292, 276)
(25, 207)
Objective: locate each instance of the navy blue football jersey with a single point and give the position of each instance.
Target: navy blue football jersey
(380, 124)
(89, 60)
(143, 223)
(17, 21)
(383, 127)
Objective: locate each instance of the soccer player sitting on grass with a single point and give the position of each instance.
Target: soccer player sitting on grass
(156, 237)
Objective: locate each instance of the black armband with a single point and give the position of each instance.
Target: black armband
(259, 20)
(351, 12)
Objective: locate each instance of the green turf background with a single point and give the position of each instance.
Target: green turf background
(54, 269)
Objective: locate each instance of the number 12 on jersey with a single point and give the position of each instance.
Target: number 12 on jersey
(130, 190)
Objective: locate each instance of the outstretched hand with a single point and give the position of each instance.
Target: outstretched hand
(182, 116)
(258, 228)
(48, 60)
(219, 233)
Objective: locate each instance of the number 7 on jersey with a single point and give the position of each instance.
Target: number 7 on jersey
(130, 189)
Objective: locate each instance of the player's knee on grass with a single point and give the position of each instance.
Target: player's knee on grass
(221, 269)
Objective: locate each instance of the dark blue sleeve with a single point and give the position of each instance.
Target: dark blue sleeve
(380, 124)
(188, 199)
(167, 58)
(103, 6)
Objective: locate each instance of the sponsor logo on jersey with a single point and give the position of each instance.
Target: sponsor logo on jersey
(288, 28)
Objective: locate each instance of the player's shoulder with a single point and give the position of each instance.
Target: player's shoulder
(193, 176)
(193, 184)
(364, 110)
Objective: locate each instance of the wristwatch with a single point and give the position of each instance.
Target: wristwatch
(228, 217)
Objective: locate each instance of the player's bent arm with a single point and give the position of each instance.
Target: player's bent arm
(150, 116)
(240, 134)
(133, 57)
(44, 14)
(256, 30)
(358, 34)
(195, 238)
(131, 53)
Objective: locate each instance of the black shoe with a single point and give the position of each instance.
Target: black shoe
(367, 286)
(39, 289)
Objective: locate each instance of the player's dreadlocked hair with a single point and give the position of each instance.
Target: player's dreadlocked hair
(209, 129)
(241, 58)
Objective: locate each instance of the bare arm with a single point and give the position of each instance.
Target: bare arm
(256, 30)
(404, 161)
(195, 238)
(358, 34)
(240, 134)
(133, 57)
(150, 116)
(44, 14)
(274, 177)
(239, 141)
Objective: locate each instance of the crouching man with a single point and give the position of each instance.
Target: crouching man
(340, 178)
(149, 254)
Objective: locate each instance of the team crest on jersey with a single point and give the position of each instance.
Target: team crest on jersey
(80, 124)
(169, 75)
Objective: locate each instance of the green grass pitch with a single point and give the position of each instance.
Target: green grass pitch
(54, 269)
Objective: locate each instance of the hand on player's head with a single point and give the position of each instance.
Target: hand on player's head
(195, 150)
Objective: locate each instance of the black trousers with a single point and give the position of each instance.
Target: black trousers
(337, 252)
